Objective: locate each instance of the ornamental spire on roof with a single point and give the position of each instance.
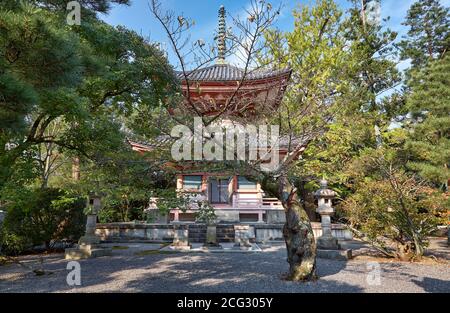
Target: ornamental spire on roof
(221, 46)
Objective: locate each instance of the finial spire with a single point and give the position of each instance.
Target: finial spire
(222, 36)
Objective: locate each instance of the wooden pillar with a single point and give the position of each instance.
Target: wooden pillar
(176, 216)
(179, 182)
(76, 169)
(260, 217)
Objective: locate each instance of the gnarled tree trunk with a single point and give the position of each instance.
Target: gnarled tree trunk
(298, 235)
(297, 231)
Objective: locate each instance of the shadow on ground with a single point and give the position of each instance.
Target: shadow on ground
(217, 273)
(433, 285)
(175, 272)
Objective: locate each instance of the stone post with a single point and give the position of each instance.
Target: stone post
(325, 209)
(242, 236)
(181, 237)
(211, 236)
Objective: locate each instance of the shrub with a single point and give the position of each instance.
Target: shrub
(206, 213)
(393, 208)
(123, 210)
(43, 217)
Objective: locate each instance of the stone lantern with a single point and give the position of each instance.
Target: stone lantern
(94, 204)
(89, 244)
(325, 209)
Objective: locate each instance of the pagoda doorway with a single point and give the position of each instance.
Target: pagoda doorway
(218, 190)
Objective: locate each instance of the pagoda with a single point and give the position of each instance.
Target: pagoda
(238, 92)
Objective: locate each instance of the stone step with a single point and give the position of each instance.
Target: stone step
(225, 234)
(197, 233)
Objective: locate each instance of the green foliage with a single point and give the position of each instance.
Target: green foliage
(41, 216)
(12, 244)
(94, 80)
(428, 36)
(315, 50)
(124, 209)
(373, 56)
(365, 69)
(79, 91)
(169, 199)
(71, 92)
(389, 205)
(206, 213)
(428, 143)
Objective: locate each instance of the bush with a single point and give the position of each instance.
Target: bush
(123, 210)
(392, 208)
(206, 213)
(12, 243)
(42, 217)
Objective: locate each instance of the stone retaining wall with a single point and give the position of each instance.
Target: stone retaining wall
(338, 230)
(122, 232)
(131, 231)
(266, 232)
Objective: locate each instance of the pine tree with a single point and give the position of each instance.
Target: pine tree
(428, 145)
(92, 78)
(428, 36)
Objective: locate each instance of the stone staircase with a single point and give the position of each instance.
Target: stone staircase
(197, 233)
(225, 233)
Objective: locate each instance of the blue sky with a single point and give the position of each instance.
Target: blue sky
(139, 18)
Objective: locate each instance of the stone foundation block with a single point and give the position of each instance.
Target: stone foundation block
(341, 255)
(87, 252)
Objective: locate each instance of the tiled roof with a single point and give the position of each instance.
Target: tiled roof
(284, 142)
(226, 72)
(153, 143)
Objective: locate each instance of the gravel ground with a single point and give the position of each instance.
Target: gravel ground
(131, 271)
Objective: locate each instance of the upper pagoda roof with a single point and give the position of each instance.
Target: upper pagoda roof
(226, 72)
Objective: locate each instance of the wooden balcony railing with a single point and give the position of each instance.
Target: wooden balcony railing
(256, 203)
(237, 203)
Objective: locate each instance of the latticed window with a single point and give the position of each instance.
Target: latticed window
(218, 190)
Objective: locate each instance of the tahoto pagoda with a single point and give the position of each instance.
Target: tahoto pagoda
(235, 198)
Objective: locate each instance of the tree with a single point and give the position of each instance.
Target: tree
(368, 112)
(428, 37)
(74, 93)
(316, 52)
(92, 79)
(428, 143)
(41, 216)
(404, 212)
